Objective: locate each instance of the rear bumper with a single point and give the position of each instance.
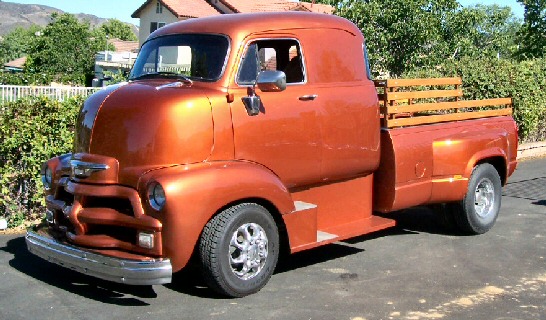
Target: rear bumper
(149, 272)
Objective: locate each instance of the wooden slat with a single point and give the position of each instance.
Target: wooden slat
(424, 94)
(391, 123)
(420, 107)
(485, 102)
(393, 83)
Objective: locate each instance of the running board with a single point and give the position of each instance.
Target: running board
(348, 230)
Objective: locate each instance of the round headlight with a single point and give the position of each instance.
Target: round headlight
(156, 196)
(47, 178)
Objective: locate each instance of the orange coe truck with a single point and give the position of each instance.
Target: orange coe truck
(240, 136)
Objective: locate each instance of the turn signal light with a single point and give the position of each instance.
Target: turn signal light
(146, 240)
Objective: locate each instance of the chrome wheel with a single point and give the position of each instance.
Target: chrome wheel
(484, 198)
(248, 250)
(239, 249)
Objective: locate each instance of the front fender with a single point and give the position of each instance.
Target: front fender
(196, 192)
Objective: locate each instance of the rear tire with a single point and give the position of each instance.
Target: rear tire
(239, 249)
(480, 207)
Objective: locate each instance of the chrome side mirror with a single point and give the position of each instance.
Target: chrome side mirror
(252, 103)
(267, 81)
(271, 81)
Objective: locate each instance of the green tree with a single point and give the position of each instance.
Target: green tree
(400, 34)
(533, 32)
(114, 28)
(403, 35)
(66, 50)
(17, 43)
(482, 31)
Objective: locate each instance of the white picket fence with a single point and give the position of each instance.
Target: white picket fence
(12, 93)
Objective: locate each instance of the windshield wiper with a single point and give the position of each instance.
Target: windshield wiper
(164, 74)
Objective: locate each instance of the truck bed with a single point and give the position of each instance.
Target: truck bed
(432, 163)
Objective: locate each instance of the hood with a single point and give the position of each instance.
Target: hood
(146, 124)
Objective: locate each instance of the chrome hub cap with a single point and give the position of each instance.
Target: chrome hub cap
(248, 251)
(484, 198)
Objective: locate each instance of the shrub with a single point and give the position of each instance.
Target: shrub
(32, 130)
(524, 82)
(24, 79)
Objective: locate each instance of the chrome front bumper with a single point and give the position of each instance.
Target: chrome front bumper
(157, 271)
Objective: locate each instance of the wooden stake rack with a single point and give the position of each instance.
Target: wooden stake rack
(410, 102)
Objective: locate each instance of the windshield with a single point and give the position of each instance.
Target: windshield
(194, 56)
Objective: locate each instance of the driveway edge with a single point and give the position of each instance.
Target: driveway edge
(532, 150)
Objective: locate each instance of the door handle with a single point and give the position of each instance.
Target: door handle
(309, 97)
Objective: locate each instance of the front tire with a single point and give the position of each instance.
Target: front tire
(480, 207)
(239, 249)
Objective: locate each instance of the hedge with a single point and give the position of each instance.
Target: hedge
(524, 82)
(32, 130)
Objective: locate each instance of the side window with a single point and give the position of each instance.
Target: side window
(367, 62)
(249, 66)
(280, 55)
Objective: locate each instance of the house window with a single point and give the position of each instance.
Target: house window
(159, 8)
(156, 25)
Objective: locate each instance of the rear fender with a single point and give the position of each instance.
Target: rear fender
(195, 193)
(482, 156)
(456, 156)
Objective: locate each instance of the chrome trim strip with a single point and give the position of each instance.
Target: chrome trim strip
(157, 271)
(81, 169)
(176, 84)
(88, 165)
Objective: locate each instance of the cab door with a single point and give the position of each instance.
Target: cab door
(285, 136)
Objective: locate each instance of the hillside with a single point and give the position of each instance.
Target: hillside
(13, 15)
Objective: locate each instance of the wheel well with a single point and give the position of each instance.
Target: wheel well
(284, 243)
(499, 164)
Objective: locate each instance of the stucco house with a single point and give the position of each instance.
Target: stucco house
(155, 14)
(119, 60)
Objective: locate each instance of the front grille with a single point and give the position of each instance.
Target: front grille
(110, 221)
(119, 233)
(122, 205)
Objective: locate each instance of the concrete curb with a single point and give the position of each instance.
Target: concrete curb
(532, 150)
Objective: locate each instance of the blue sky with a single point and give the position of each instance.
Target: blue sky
(122, 9)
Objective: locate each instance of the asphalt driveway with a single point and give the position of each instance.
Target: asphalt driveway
(416, 270)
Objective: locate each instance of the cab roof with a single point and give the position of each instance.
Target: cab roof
(241, 24)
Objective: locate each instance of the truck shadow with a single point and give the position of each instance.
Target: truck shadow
(421, 220)
(409, 222)
(189, 280)
(72, 281)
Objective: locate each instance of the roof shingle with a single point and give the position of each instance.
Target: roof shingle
(17, 63)
(124, 46)
(183, 8)
(248, 6)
